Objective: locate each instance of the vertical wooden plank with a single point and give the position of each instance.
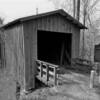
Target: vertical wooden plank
(55, 76)
(41, 69)
(47, 73)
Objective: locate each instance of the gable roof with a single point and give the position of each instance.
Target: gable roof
(60, 11)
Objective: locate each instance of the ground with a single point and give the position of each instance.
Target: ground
(73, 86)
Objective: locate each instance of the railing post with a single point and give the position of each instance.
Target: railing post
(41, 69)
(47, 73)
(92, 77)
(55, 76)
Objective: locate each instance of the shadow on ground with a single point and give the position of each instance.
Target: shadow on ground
(74, 86)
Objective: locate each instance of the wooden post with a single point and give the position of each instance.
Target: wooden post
(99, 71)
(55, 76)
(47, 73)
(99, 77)
(92, 76)
(41, 69)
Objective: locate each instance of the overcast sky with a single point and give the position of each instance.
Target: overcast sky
(12, 9)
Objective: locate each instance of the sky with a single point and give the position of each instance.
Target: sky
(13, 9)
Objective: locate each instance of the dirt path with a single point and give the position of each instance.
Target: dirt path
(73, 86)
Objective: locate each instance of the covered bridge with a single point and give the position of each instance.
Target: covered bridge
(53, 37)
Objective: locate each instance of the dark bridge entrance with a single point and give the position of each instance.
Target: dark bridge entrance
(54, 47)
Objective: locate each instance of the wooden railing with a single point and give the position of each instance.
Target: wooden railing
(82, 64)
(82, 61)
(47, 71)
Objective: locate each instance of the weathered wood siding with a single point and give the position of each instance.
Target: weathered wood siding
(55, 23)
(15, 61)
(30, 39)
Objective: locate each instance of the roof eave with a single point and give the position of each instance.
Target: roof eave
(60, 11)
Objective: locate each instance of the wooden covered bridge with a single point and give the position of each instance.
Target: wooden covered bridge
(36, 45)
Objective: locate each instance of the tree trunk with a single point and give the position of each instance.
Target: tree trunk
(84, 22)
(78, 10)
(74, 8)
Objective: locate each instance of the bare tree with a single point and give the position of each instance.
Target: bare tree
(64, 4)
(89, 10)
(71, 6)
(74, 8)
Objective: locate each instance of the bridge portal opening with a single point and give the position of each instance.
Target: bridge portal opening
(54, 47)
